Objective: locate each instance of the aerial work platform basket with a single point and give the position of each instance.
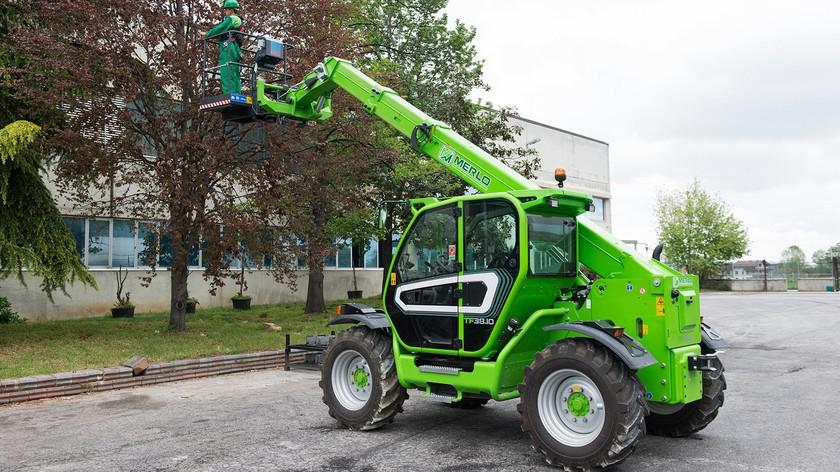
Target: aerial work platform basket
(263, 57)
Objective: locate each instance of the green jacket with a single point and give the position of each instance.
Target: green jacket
(228, 52)
(230, 23)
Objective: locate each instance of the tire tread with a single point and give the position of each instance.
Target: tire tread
(630, 401)
(378, 345)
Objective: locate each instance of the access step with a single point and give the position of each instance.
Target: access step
(439, 398)
(439, 369)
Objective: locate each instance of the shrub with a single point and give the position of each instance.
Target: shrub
(7, 315)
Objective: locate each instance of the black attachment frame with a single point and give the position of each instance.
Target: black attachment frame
(704, 363)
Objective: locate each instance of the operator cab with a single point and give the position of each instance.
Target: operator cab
(263, 57)
(463, 259)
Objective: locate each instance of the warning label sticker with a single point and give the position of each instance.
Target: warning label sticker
(660, 306)
(453, 252)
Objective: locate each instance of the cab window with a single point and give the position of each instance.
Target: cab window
(551, 245)
(431, 248)
(490, 236)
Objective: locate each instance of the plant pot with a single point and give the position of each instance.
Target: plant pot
(190, 306)
(123, 312)
(241, 303)
(354, 294)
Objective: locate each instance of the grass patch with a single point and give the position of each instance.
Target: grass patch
(47, 347)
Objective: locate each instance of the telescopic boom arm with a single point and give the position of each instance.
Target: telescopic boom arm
(311, 99)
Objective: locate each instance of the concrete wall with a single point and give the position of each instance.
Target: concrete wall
(815, 285)
(31, 303)
(773, 285)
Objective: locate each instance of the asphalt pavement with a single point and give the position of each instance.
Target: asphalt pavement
(782, 413)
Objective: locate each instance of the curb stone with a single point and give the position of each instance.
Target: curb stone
(112, 378)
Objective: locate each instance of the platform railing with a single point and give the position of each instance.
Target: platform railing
(249, 70)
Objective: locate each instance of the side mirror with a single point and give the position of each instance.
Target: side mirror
(657, 251)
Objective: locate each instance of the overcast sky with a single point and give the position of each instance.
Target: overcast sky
(742, 95)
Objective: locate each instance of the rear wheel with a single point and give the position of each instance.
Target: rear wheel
(581, 406)
(359, 379)
(680, 421)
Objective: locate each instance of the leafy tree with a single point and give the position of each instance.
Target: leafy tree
(33, 235)
(699, 231)
(134, 142)
(335, 164)
(410, 45)
(822, 259)
(794, 260)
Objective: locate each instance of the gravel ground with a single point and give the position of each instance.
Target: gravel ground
(782, 413)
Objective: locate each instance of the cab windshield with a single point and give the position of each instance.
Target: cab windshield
(551, 245)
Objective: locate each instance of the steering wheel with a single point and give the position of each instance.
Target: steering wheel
(439, 266)
(504, 261)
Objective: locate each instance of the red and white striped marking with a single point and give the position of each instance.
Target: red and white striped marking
(214, 104)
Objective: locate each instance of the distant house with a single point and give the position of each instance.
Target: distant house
(749, 269)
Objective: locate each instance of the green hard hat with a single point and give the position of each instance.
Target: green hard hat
(231, 4)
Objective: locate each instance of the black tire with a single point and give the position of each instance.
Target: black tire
(624, 405)
(469, 403)
(694, 416)
(387, 395)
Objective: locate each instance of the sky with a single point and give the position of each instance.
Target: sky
(742, 95)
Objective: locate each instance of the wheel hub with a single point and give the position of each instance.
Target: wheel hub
(571, 407)
(578, 404)
(351, 380)
(360, 378)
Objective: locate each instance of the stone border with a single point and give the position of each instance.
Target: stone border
(110, 378)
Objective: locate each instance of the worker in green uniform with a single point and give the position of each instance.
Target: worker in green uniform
(229, 52)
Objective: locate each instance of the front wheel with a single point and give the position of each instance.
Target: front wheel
(359, 379)
(581, 406)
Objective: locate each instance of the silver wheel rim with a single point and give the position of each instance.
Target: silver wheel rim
(560, 404)
(351, 380)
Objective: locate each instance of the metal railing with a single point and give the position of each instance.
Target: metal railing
(249, 69)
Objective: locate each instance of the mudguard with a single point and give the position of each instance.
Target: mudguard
(354, 313)
(710, 340)
(634, 355)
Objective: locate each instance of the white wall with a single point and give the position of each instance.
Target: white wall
(31, 303)
(773, 284)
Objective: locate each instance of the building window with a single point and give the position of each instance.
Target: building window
(99, 243)
(123, 244)
(146, 244)
(111, 243)
(76, 226)
(194, 256)
(372, 255)
(345, 255)
(330, 261)
(165, 251)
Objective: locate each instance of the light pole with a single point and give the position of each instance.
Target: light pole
(764, 264)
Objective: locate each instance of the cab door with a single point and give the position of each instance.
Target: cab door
(491, 263)
(422, 296)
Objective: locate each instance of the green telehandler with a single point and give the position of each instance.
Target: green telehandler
(486, 299)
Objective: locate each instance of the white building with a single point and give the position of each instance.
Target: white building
(586, 160)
